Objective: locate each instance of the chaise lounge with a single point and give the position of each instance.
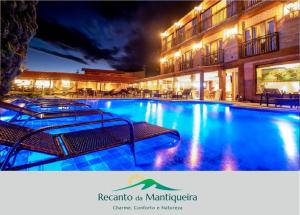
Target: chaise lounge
(48, 114)
(67, 145)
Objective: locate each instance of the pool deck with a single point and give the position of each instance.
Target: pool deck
(245, 105)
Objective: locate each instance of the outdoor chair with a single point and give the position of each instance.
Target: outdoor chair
(68, 145)
(48, 114)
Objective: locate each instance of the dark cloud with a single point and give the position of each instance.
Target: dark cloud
(129, 30)
(70, 57)
(71, 38)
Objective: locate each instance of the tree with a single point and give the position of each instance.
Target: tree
(18, 26)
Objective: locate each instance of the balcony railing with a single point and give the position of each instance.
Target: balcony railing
(220, 16)
(213, 58)
(260, 45)
(186, 65)
(250, 3)
(169, 69)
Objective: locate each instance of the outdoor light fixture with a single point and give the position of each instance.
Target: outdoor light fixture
(22, 82)
(66, 83)
(164, 34)
(197, 46)
(163, 60)
(230, 32)
(198, 8)
(177, 54)
(42, 84)
(178, 24)
(291, 7)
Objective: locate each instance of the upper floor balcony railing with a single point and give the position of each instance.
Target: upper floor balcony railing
(260, 45)
(169, 69)
(213, 58)
(188, 64)
(250, 3)
(215, 19)
(220, 16)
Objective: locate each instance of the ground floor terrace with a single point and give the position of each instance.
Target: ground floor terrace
(240, 82)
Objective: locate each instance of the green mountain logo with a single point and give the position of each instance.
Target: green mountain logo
(147, 183)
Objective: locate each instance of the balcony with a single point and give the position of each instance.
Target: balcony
(186, 65)
(260, 45)
(169, 69)
(213, 58)
(250, 3)
(220, 16)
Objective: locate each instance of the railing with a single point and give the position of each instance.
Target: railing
(169, 69)
(250, 3)
(186, 65)
(260, 45)
(220, 16)
(213, 58)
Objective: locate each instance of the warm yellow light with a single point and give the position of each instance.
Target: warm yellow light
(65, 83)
(42, 83)
(163, 34)
(177, 54)
(178, 24)
(230, 32)
(22, 82)
(163, 60)
(198, 8)
(291, 7)
(197, 46)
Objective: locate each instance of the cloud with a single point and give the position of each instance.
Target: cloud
(71, 38)
(70, 57)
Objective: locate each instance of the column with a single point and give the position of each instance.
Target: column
(201, 85)
(241, 85)
(222, 83)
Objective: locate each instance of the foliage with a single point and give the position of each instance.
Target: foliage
(18, 26)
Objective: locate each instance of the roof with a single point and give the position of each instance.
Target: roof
(89, 75)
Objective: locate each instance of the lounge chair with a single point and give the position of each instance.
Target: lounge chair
(47, 103)
(67, 145)
(48, 114)
(187, 93)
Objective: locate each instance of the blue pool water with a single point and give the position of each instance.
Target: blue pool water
(214, 137)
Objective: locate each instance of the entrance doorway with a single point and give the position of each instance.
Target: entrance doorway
(231, 84)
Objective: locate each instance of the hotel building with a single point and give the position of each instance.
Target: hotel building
(228, 49)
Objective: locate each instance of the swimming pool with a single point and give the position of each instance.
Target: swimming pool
(214, 137)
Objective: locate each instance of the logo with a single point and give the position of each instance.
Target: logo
(147, 183)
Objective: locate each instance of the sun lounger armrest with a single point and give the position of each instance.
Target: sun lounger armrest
(16, 145)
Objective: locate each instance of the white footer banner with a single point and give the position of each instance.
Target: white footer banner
(190, 193)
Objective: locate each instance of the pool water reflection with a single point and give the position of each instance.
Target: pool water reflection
(214, 137)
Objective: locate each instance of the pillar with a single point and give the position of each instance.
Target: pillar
(222, 83)
(241, 85)
(201, 85)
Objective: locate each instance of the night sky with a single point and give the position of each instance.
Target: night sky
(104, 35)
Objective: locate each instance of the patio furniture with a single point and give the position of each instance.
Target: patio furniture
(268, 96)
(68, 145)
(51, 103)
(147, 92)
(292, 102)
(187, 93)
(48, 114)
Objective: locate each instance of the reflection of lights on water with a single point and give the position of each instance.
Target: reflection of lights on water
(290, 142)
(228, 114)
(228, 162)
(148, 111)
(158, 161)
(294, 117)
(194, 156)
(108, 104)
(159, 115)
(141, 104)
(153, 107)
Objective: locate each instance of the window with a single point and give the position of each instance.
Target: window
(285, 77)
